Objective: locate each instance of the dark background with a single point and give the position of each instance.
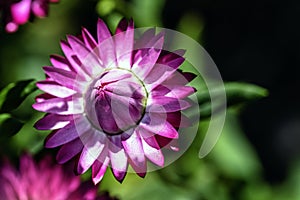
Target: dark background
(256, 41)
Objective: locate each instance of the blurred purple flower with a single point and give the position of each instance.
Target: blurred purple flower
(18, 12)
(114, 101)
(43, 180)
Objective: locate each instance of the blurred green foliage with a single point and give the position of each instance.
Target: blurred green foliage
(231, 171)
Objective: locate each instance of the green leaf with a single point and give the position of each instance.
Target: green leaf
(243, 92)
(9, 125)
(14, 94)
(236, 93)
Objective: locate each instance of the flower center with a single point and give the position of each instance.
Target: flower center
(115, 101)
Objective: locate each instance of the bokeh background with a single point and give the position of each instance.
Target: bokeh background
(257, 155)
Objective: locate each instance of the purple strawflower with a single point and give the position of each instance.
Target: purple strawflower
(18, 12)
(114, 101)
(43, 180)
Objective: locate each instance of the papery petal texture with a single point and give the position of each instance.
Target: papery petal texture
(112, 101)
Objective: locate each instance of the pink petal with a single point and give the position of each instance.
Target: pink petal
(70, 132)
(106, 46)
(166, 65)
(20, 11)
(143, 41)
(125, 111)
(151, 148)
(174, 91)
(105, 116)
(179, 78)
(118, 159)
(114, 76)
(100, 165)
(167, 143)
(172, 59)
(189, 76)
(91, 151)
(178, 120)
(157, 123)
(63, 77)
(122, 26)
(88, 39)
(53, 121)
(163, 104)
(69, 150)
(60, 62)
(74, 61)
(181, 92)
(42, 97)
(89, 61)
(134, 150)
(146, 57)
(157, 75)
(55, 89)
(102, 31)
(60, 106)
(124, 40)
(99, 169)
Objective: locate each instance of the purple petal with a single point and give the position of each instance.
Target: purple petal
(167, 143)
(158, 74)
(100, 165)
(106, 46)
(124, 40)
(179, 78)
(60, 106)
(42, 97)
(99, 169)
(178, 120)
(60, 62)
(174, 91)
(74, 61)
(114, 76)
(143, 41)
(181, 92)
(172, 59)
(163, 104)
(122, 26)
(146, 57)
(53, 121)
(118, 159)
(102, 31)
(166, 65)
(151, 148)
(125, 111)
(88, 39)
(69, 150)
(70, 132)
(158, 124)
(89, 61)
(91, 151)
(105, 116)
(189, 76)
(63, 77)
(134, 149)
(55, 89)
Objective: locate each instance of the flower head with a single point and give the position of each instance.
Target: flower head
(43, 180)
(114, 101)
(18, 12)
